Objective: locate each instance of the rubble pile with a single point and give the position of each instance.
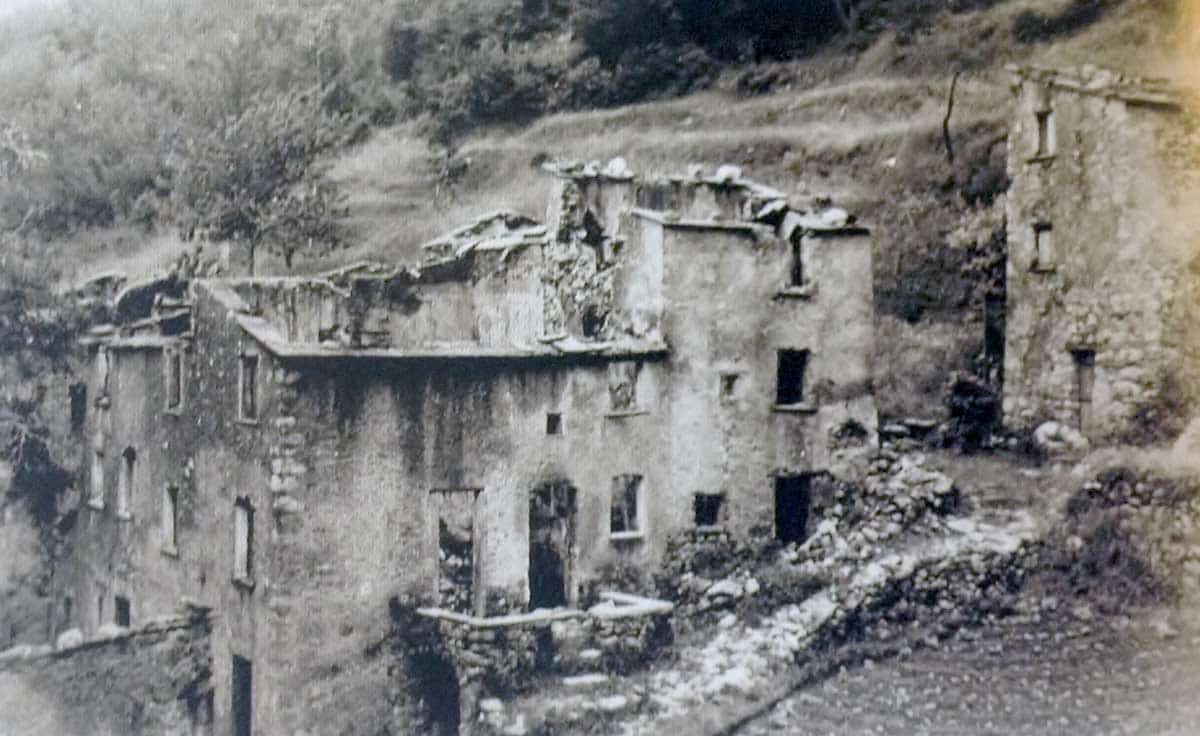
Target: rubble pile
(709, 574)
(899, 495)
(970, 571)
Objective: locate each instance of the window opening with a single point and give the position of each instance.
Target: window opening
(174, 374)
(125, 481)
(96, 498)
(243, 542)
(793, 364)
(1043, 247)
(626, 498)
(170, 517)
(706, 508)
(622, 385)
(797, 272)
(78, 397)
(1045, 133)
(248, 388)
(1085, 380)
(121, 612)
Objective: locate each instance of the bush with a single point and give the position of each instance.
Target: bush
(737, 30)
(1034, 27)
(255, 177)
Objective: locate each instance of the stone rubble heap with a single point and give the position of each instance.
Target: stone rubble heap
(962, 575)
(900, 495)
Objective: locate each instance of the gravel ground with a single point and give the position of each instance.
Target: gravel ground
(1057, 675)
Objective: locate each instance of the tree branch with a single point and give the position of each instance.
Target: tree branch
(946, 120)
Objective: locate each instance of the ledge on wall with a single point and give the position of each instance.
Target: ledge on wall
(807, 290)
(800, 408)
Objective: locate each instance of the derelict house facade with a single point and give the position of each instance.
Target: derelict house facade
(499, 429)
(1101, 314)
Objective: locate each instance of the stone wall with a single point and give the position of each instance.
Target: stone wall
(508, 655)
(1112, 200)
(212, 458)
(151, 681)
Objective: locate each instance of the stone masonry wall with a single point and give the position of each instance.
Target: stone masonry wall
(150, 681)
(1118, 218)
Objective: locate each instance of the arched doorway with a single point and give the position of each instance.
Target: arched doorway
(551, 544)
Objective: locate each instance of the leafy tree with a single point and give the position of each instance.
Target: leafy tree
(256, 177)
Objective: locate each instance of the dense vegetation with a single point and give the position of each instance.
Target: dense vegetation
(213, 117)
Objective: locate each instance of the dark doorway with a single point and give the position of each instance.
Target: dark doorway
(1085, 381)
(240, 692)
(122, 611)
(437, 683)
(551, 541)
(793, 496)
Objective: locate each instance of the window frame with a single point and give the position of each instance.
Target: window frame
(174, 376)
(170, 520)
(721, 501)
(122, 608)
(636, 406)
(1045, 137)
(626, 482)
(729, 386)
(96, 480)
(785, 401)
(245, 358)
(1043, 242)
(243, 542)
(126, 474)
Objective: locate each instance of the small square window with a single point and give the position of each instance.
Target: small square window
(1043, 247)
(729, 385)
(707, 509)
(554, 423)
(789, 389)
(626, 505)
(248, 388)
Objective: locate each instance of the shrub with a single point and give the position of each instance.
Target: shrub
(1034, 27)
(255, 177)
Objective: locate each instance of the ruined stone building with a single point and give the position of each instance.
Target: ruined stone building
(517, 423)
(1102, 246)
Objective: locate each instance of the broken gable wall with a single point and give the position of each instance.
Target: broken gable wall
(490, 297)
(726, 312)
(1121, 242)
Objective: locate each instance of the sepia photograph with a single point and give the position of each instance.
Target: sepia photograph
(599, 367)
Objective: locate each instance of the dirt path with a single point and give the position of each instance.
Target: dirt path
(1055, 676)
